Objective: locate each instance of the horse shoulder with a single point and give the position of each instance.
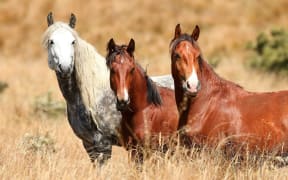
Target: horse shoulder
(169, 116)
(214, 113)
(168, 100)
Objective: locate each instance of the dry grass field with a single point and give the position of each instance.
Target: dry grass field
(37, 143)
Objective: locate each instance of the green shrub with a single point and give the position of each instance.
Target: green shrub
(271, 52)
(3, 86)
(47, 106)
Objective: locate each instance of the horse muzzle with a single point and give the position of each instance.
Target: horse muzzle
(64, 71)
(122, 105)
(191, 89)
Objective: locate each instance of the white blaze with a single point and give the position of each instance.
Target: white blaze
(126, 96)
(193, 79)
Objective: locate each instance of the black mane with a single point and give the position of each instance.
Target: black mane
(153, 95)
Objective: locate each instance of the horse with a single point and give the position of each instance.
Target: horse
(147, 110)
(84, 82)
(215, 111)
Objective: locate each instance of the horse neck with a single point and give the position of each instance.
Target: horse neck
(178, 88)
(68, 87)
(208, 78)
(179, 92)
(138, 91)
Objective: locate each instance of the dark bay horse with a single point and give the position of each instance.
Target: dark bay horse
(213, 110)
(147, 110)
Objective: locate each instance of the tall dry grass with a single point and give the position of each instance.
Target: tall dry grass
(34, 146)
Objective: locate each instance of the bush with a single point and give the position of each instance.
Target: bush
(47, 106)
(271, 52)
(37, 143)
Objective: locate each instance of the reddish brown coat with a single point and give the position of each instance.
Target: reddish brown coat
(222, 111)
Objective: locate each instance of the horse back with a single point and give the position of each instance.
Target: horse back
(266, 116)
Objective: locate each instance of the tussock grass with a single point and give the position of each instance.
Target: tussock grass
(71, 164)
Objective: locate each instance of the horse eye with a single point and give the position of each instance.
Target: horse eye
(132, 70)
(176, 56)
(73, 42)
(51, 42)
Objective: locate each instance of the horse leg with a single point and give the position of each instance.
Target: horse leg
(94, 153)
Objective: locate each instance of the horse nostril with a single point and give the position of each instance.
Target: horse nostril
(188, 85)
(60, 68)
(121, 104)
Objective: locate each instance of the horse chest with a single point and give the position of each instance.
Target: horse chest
(142, 124)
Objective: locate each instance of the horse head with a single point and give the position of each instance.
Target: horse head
(60, 43)
(120, 61)
(186, 60)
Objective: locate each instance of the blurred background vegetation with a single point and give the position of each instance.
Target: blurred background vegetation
(3, 86)
(226, 26)
(271, 52)
(32, 102)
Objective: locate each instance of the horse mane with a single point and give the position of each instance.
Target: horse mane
(204, 65)
(153, 95)
(91, 75)
(89, 66)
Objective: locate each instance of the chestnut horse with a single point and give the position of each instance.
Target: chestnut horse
(213, 110)
(147, 110)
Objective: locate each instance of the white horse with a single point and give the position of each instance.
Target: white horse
(84, 82)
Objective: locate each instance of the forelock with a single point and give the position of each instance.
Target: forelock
(110, 57)
(183, 37)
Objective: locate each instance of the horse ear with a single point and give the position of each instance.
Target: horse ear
(195, 33)
(50, 20)
(72, 21)
(111, 46)
(177, 31)
(131, 47)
